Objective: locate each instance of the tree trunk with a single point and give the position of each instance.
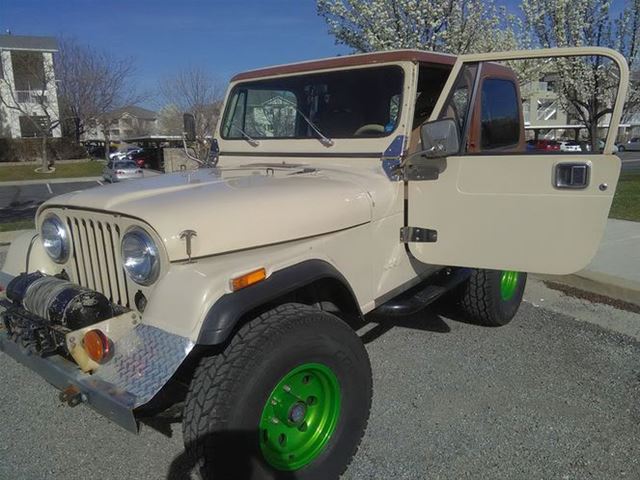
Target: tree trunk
(45, 158)
(76, 125)
(593, 137)
(107, 143)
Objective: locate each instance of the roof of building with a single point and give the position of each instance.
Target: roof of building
(134, 111)
(27, 42)
(349, 61)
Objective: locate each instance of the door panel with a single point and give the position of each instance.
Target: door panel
(503, 213)
(504, 209)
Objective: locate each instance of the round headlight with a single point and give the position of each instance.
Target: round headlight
(55, 239)
(140, 256)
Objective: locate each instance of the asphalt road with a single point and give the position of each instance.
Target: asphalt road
(630, 162)
(20, 202)
(550, 396)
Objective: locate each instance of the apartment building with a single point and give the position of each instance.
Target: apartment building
(29, 102)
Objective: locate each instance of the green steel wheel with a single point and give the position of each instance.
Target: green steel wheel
(300, 416)
(288, 397)
(508, 284)
(491, 297)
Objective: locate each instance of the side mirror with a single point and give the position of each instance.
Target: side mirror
(189, 127)
(440, 138)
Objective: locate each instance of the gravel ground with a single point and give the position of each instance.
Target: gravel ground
(550, 396)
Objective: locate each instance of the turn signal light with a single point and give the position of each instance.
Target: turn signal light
(248, 279)
(97, 345)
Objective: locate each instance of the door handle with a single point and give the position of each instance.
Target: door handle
(570, 175)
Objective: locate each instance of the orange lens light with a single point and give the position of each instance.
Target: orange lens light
(97, 346)
(248, 279)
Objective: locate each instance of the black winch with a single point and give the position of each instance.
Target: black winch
(43, 308)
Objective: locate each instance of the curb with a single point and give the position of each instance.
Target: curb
(610, 286)
(44, 181)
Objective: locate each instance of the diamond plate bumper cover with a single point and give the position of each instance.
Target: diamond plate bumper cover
(144, 360)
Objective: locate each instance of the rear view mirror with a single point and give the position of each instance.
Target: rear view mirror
(189, 128)
(440, 138)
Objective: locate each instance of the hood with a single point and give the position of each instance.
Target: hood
(232, 209)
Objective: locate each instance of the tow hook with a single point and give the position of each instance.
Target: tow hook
(72, 396)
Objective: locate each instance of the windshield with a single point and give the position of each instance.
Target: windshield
(344, 104)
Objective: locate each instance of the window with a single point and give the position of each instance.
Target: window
(28, 71)
(457, 105)
(500, 122)
(32, 126)
(343, 104)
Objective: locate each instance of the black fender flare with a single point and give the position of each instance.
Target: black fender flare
(222, 317)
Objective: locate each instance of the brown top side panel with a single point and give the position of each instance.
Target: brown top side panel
(349, 61)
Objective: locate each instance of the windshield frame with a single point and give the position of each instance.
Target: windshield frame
(232, 99)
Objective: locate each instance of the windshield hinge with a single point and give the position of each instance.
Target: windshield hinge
(418, 235)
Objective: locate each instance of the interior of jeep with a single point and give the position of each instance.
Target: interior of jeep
(362, 102)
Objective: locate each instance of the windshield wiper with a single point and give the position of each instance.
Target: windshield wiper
(252, 141)
(323, 138)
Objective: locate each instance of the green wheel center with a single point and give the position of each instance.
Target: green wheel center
(300, 416)
(508, 284)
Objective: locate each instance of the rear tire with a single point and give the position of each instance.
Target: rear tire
(293, 362)
(491, 297)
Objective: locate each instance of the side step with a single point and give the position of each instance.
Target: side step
(418, 297)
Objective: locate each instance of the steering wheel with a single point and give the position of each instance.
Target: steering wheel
(369, 128)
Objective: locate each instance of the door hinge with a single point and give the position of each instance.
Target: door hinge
(417, 234)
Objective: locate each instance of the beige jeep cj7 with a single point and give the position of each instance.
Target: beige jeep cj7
(376, 182)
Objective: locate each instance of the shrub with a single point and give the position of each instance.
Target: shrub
(28, 149)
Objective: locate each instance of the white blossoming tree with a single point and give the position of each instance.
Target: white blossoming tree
(451, 26)
(587, 86)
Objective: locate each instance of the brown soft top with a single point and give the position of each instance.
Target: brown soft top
(350, 61)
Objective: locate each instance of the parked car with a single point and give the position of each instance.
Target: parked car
(144, 157)
(631, 145)
(97, 151)
(118, 170)
(570, 146)
(543, 144)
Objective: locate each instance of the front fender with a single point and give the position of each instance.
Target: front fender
(229, 309)
(26, 254)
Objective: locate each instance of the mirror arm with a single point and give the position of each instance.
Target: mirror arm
(189, 156)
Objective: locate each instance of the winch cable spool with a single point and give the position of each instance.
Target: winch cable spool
(59, 301)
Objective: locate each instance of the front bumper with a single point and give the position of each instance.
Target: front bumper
(144, 360)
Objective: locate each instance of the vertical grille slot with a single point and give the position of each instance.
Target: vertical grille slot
(96, 262)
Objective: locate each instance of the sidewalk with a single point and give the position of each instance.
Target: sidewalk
(615, 270)
(43, 181)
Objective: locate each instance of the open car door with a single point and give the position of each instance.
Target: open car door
(487, 199)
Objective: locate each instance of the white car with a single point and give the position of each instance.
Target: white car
(570, 146)
(118, 170)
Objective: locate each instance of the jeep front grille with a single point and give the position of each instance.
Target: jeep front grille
(96, 262)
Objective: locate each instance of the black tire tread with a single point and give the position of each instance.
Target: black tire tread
(476, 298)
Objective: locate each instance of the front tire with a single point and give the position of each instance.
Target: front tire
(492, 297)
(289, 397)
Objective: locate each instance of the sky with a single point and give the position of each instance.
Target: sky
(162, 36)
(223, 37)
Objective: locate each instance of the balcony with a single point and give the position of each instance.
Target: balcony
(30, 96)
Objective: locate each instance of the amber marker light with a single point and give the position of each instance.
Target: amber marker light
(248, 279)
(97, 345)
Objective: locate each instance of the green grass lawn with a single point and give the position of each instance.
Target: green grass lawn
(63, 170)
(626, 202)
(17, 225)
